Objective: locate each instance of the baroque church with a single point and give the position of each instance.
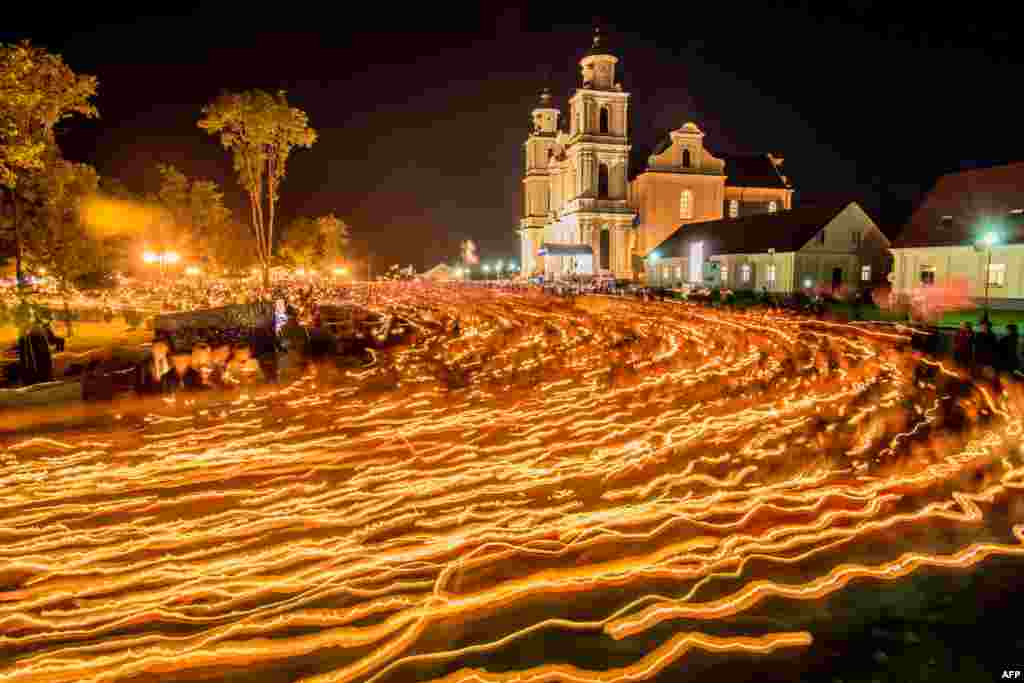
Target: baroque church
(587, 213)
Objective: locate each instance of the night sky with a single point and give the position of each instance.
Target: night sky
(422, 109)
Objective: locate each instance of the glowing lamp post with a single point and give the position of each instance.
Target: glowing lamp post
(987, 242)
(162, 258)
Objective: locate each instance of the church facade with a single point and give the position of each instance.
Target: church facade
(584, 212)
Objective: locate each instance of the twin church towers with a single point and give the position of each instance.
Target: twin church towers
(576, 214)
(583, 214)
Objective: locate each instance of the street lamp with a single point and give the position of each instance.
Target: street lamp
(162, 258)
(990, 239)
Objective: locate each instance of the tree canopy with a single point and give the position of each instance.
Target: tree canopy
(37, 91)
(261, 130)
(192, 212)
(58, 241)
(315, 242)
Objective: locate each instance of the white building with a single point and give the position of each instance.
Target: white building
(576, 186)
(807, 248)
(971, 222)
(583, 213)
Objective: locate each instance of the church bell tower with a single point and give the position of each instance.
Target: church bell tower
(598, 150)
(536, 183)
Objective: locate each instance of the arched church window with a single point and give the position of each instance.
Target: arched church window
(686, 158)
(605, 247)
(686, 204)
(602, 181)
(604, 120)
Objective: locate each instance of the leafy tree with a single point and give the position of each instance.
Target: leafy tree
(333, 236)
(299, 244)
(261, 130)
(191, 212)
(314, 242)
(58, 242)
(230, 248)
(37, 91)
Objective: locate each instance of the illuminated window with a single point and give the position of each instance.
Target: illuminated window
(865, 273)
(686, 158)
(1017, 211)
(686, 204)
(724, 270)
(773, 207)
(997, 274)
(696, 261)
(604, 119)
(745, 272)
(666, 272)
(927, 275)
(771, 275)
(808, 283)
(734, 208)
(679, 273)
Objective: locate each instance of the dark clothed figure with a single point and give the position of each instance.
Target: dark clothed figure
(1009, 356)
(963, 345)
(56, 342)
(985, 347)
(172, 382)
(182, 376)
(35, 364)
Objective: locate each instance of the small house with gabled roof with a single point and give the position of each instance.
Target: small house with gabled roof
(829, 247)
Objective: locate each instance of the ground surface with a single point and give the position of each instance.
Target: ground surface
(608, 492)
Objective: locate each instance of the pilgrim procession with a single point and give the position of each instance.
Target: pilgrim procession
(427, 394)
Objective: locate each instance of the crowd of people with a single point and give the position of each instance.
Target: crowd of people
(984, 351)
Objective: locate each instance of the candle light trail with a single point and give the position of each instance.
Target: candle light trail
(612, 470)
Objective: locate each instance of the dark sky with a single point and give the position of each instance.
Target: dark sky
(422, 108)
